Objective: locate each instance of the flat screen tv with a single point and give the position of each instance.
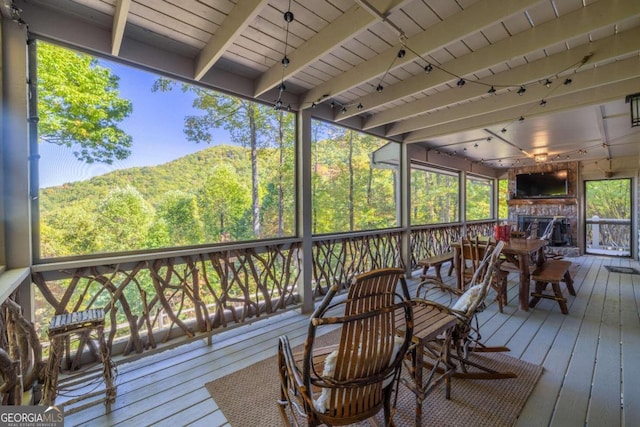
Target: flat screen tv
(542, 184)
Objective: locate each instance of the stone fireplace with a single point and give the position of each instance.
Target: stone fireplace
(524, 210)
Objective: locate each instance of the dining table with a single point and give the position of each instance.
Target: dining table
(520, 252)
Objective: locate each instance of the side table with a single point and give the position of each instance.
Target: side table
(82, 322)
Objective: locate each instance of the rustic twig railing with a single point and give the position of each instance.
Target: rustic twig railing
(154, 300)
(337, 259)
(150, 299)
(436, 239)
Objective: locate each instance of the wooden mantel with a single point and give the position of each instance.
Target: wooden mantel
(548, 201)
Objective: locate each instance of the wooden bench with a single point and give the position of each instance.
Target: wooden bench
(554, 272)
(436, 262)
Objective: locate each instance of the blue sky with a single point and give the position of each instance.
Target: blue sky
(156, 126)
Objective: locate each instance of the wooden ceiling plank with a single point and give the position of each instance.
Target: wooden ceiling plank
(353, 21)
(476, 17)
(603, 50)
(617, 71)
(598, 95)
(570, 25)
(119, 22)
(242, 15)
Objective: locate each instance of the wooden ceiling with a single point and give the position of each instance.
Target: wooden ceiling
(341, 51)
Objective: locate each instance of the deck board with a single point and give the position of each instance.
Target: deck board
(580, 352)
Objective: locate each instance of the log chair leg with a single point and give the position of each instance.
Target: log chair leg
(562, 301)
(540, 287)
(569, 282)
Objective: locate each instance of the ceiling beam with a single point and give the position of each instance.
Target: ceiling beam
(602, 51)
(571, 25)
(347, 25)
(476, 17)
(594, 95)
(602, 128)
(119, 22)
(240, 17)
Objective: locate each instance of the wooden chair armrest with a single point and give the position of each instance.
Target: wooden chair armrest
(432, 285)
(458, 314)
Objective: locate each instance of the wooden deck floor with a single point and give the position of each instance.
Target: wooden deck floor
(591, 359)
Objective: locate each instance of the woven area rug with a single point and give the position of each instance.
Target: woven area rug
(248, 397)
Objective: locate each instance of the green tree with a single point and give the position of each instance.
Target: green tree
(79, 105)
(123, 221)
(247, 122)
(222, 200)
(179, 212)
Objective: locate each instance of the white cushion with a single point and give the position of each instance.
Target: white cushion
(467, 298)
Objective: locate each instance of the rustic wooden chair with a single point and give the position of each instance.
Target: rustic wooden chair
(466, 305)
(354, 379)
(548, 235)
(472, 253)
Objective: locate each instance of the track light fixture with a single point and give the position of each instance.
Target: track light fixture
(360, 107)
(492, 91)
(402, 53)
(521, 119)
(332, 105)
(522, 90)
(503, 130)
(460, 82)
(567, 81)
(285, 61)
(428, 68)
(379, 88)
(543, 103)
(344, 110)
(547, 83)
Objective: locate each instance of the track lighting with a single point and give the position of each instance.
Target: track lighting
(492, 91)
(360, 107)
(344, 110)
(543, 103)
(332, 105)
(521, 119)
(547, 83)
(503, 130)
(285, 62)
(428, 68)
(282, 87)
(402, 53)
(522, 90)
(567, 81)
(460, 82)
(379, 88)
(288, 16)
(313, 105)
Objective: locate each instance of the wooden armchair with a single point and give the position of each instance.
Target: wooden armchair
(466, 305)
(354, 379)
